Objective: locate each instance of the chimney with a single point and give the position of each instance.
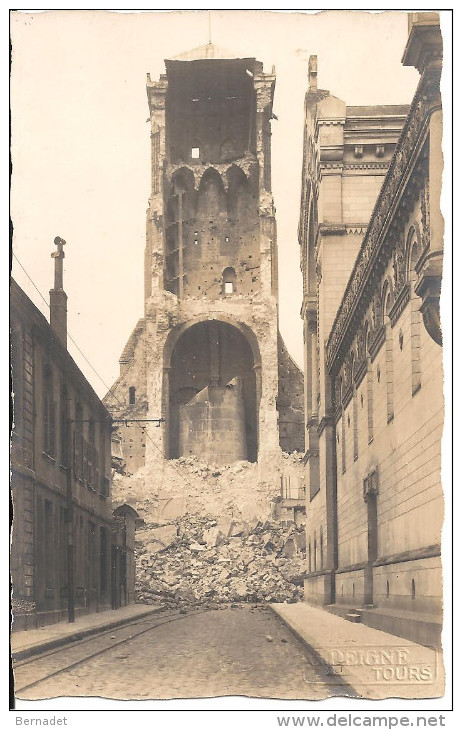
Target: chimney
(313, 73)
(58, 297)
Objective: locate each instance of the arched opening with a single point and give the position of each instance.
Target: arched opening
(387, 303)
(414, 251)
(229, 281)
(212, 395)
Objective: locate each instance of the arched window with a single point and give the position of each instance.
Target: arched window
(370, 391)
(49, 444)
(229, 280)
(416, 316)
(387, 302)
(132, 395)
(343, 435)
(64, 427)
(355, 412)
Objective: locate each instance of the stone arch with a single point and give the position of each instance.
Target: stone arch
(180, 329)
(211, 196)
(413, 250)
(413, 253)
(387, 301)
(370, 386)
(216, 362)
(185, 176)
(386, 298)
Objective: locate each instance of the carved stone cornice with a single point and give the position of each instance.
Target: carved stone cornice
(326, 165)
(366, 166)
(425, 43)
(377, 245)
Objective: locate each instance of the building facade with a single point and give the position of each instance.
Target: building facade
(63, 526)
(207, 357)
(371, 236)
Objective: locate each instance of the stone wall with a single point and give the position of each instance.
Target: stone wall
(212, 424)
(290, 402)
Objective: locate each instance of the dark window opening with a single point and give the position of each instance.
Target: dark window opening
(49, 445)
(131, 395)
(64, 426)
(49, 551)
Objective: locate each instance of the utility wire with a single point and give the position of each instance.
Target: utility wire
(110, 391)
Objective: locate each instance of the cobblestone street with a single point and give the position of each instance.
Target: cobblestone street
(243, 650)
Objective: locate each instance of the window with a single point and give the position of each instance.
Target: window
(416, 317)
(389, 357)
(78, 442)
(16, 367)
(49, 445)
(49, 549)
(132, 395)
(63, 426)
(103, 560)
(229, 281)
(195, 153)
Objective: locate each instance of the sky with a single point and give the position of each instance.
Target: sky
(81, 146)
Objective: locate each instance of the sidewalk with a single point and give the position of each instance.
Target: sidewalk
(35, 641)
(375, 664)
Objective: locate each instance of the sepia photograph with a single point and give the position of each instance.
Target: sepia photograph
(226, 352)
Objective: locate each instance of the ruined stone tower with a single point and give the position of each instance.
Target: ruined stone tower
(207, 356)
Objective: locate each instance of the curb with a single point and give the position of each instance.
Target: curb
(78, 635)
(342, 682)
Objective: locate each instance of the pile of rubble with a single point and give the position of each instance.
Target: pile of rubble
(188, 486)
(205, 561)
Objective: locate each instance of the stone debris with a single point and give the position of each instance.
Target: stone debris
(187, 486)
(211, 536)
(213, 561)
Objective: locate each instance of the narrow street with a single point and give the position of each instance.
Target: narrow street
(238, 650)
